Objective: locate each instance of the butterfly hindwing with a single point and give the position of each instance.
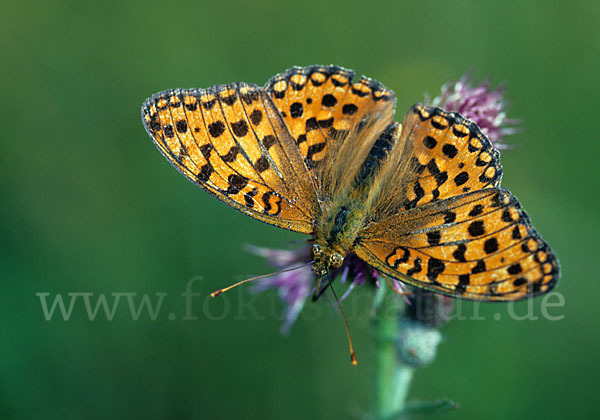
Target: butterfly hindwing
(439, 155)
(230, 140)
(479, 245)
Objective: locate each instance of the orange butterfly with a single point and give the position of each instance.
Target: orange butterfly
(318, 153)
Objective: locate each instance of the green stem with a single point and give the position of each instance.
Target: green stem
(392, 377)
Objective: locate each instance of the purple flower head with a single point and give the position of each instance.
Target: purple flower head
(292, 286)
(480, 104)
(298, 284)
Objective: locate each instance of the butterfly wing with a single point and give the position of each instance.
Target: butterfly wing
(232, 142)
(439, 155)
(334, 120)
(460, 235)
(480, 245)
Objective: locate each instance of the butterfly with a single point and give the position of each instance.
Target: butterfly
(317, 152)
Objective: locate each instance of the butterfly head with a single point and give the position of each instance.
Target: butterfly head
(325, 259)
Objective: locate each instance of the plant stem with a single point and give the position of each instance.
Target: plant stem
(392, 377)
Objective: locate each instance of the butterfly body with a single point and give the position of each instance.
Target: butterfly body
(335, 238)
(341, 224)
(317, 152)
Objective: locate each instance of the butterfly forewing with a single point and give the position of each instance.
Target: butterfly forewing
(231, 141)
(333, 118)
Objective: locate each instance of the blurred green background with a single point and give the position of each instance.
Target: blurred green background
(89, 205)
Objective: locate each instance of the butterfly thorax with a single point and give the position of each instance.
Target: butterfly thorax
(342, 222)
(334, 238)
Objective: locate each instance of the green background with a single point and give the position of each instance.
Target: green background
(89, 205)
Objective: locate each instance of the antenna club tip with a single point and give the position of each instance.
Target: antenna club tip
(353, 359)
(216, 293)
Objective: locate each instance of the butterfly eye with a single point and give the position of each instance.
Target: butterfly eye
(335, 260)
(316, 252)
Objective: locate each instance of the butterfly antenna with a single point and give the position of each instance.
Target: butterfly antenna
(317, 293)
(218, 292)
(352, 354)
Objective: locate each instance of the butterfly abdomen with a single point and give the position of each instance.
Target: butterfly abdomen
(378, 153)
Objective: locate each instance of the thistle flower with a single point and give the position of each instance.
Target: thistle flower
(296, 285)
(480, 104)
(292, 286)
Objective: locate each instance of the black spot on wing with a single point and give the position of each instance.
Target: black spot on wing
(514, 269)
(416, 267)
(440, 176)
(349, 109)
(433, 238)
(449, 216)
(461, 178)
(463, 281)
(434, 268)
(256, 116)
(262, 164)
(490, 245)
(268, 141)
(476, 228)
(236, 183)
(205, 172)
(479, 267)
(450, 150)
(240, 128)
(419, 193)
(216, 128)
(168, 131)
(296, 110)
(476, 210)
(328, 100)
(459, 253)
(231, 155)
(429, 142)
(182, 126)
